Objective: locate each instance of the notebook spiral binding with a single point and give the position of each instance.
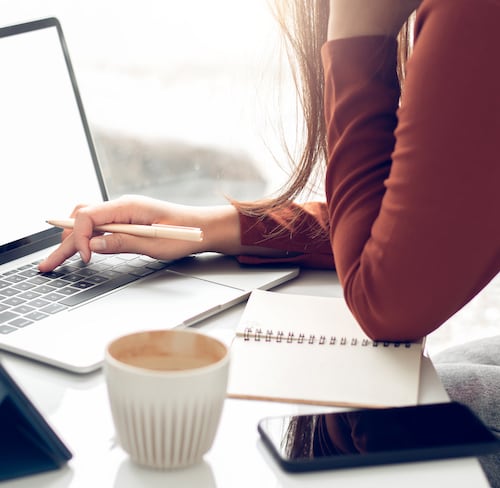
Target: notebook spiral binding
(258, 334)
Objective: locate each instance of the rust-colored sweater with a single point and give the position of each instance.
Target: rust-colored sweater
(412, 212)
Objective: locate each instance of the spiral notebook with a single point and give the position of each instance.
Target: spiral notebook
(310, 349)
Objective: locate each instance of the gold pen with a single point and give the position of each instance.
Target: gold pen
(154, 230)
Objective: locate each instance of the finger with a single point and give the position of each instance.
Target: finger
(165, 249)
(83, 231)
(111, 244)
(57, 257)
(123, 243)
(65, 234)
(88, 217)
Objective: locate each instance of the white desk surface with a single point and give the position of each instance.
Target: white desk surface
(77, 408)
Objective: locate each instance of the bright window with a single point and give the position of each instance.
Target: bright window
(184, 98)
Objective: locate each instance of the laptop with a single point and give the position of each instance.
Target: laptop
(49, 164)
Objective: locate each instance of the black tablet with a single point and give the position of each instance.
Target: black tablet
(28, 444)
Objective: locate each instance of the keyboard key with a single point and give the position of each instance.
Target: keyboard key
(29, 295)
(43, 289)
(141, 272)
(20, 322)
(15, 278)
(98, 267)
(83, 285)
(39, 280)
(36, 315)
(23, 309)
(14, 301)
(156, 265)
(5, 329)
(96, 279)
(73, 277)
(53, 297)
(109, 274)
(9, 292)
(59, 283)
(24, 285)
(114, 261)
(6, 316)
(97, 290)
(86, 272)
(53, 308)
(39, 303)
(53, 274)
(29, 272)
(69, 290)
(66, 269)
(11, 272)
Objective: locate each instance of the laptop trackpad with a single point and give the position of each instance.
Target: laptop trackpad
(166, 300)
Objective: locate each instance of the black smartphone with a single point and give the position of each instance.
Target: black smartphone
(376, 436)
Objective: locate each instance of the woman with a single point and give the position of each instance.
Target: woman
(410, 221)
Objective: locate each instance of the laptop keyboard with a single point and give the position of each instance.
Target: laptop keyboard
(28, 296)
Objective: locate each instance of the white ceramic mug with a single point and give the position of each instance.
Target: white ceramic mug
(166, 390)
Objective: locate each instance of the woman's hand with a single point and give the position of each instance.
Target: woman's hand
(220, 226)
(354, 18)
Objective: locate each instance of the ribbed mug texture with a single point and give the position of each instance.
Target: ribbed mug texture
(166, 419)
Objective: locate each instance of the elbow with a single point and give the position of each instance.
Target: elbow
(392, 317)
(387, 325)
(391, 329)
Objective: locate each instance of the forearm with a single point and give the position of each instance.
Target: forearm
(362, 93)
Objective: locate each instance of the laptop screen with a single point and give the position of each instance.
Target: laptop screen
(47, 158)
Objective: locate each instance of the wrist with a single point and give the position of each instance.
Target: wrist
(222, 234)
(221, 229)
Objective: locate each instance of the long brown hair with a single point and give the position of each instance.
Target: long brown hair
(304, 24)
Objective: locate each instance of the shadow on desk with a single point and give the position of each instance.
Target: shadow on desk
(131, 474)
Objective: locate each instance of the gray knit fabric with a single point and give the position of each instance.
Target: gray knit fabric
(470, 374)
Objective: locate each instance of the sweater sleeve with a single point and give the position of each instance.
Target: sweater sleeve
(300, 231)
(412, 181)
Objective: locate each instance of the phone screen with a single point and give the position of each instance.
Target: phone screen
(376, 436)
